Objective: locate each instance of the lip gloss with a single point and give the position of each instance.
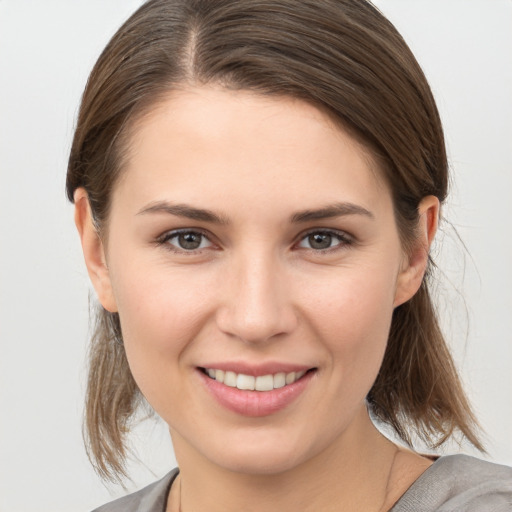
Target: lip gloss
(255, 403)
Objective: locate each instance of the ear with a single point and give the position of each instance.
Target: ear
(415, 264)
(93, 249)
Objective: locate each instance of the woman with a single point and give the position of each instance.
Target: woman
(257, 185)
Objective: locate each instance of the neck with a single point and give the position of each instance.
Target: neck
(352, 474)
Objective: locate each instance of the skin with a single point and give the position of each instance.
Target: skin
(257, 291)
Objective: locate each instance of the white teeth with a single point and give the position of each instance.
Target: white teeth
(264, 383)
(290, 377)
(219, 375)
(250, 383)
(245, 382)
(279, 380)
(230, 379)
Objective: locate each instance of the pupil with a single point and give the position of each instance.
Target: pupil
(189, 240)
(320, 240)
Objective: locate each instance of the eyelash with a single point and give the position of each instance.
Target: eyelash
(170, 235)
(343, 238)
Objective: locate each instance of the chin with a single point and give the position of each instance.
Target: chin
(260, 464)
(260, 452)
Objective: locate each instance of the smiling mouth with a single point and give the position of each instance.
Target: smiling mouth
(251, 383)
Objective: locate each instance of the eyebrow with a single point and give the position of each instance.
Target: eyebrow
(183, 210)
(204, 215)
(331, 211)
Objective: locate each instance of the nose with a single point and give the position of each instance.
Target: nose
(257, 305)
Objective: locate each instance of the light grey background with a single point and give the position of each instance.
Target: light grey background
(46, 51)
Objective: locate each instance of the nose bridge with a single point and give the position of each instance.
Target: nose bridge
(257, 303)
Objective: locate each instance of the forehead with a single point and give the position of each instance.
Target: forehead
(212, 144)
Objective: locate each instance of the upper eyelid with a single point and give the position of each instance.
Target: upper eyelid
(331, 231)
(167, 235)
(324, 230)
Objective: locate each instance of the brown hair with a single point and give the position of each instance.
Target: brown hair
(340, 55)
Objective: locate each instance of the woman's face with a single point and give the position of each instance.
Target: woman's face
(252, 240)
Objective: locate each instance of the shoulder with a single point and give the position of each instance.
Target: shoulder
(459, 482)
(149, 499)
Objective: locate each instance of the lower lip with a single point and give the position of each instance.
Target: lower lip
(255, 403)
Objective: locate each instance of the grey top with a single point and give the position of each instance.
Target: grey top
(455, 483)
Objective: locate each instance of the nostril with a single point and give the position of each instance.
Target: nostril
(253, 324)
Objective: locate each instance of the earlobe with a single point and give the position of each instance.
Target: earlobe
(93, 250)
(415, 264)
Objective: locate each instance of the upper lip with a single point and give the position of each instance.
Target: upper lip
(256, 370)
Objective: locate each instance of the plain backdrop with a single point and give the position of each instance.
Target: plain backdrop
(47, 48)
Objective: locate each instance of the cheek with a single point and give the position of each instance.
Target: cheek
(160, 313)
(353, 318)
(157, 303)
(354, 301)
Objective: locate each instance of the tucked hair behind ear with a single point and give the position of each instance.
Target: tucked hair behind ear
(342, 56)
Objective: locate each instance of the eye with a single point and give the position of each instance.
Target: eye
(186, 240)
(324, 240)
